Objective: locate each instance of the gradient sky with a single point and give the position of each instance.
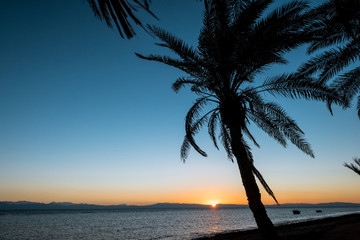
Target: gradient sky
(84, 120)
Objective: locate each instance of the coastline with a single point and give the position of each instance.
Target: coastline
(346, 227)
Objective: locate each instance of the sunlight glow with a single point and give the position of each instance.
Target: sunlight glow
(213, 203)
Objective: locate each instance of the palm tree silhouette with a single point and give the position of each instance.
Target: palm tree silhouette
(337, 29)
(353, 167)
(118, 12)
(235, 44)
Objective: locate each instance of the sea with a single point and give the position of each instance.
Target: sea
(145, 224)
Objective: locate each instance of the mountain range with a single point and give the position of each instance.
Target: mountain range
(25, 205)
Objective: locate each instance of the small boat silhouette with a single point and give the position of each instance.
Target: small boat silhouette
(318, 211)
(296, 212)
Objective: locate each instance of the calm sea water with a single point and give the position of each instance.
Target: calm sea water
(144, 224)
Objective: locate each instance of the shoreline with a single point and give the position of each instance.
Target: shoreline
(346, 227)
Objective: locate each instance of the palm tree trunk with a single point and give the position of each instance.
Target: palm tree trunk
(263, 222)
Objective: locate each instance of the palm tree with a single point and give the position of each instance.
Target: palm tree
(353, 167)
(235, 44)
(118, 12)
(337, 29)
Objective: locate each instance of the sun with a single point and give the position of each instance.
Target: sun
(213, 204)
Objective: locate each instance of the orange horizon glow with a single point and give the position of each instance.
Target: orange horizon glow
(191, 196)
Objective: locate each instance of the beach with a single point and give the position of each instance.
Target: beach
(333, 228)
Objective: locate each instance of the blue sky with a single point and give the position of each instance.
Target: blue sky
(84, 120)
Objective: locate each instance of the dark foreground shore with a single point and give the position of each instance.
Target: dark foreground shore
(339, 228)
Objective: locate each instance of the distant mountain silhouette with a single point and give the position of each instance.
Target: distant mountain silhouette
(24, 205)
(34, 206)
(332, 204)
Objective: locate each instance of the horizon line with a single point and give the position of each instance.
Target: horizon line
(201, 204)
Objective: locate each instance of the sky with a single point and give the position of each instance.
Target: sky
(84, 120)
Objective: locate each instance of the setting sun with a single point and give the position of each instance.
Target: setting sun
(213, 203)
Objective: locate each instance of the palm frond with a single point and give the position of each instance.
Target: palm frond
(296, 138)
(264, 183)
(348, 84)
(279, 113)
(250, 136)
(222, 14)
(314, 65)
(325, 27)
(247, 71)
(270, 38)
(355, 168)
(299, 86)
(288, 127)
(192, 127)
(179, 64)
(337, 60)
(173, 43)
(287, 14)
(273, 119)
(326, 41)
(212, 126)
(118, 12)
(185, 148)
(190, 137)
(256, 172)
(248, 13)
(182, 81)
(189, 140)
(348, 14)
(258, 114)
(268, 126)
(324, 11)
(331, 62)
(290, 8)
(226, 142)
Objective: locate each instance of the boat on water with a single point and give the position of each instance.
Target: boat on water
(318, 211)
(296, 212)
